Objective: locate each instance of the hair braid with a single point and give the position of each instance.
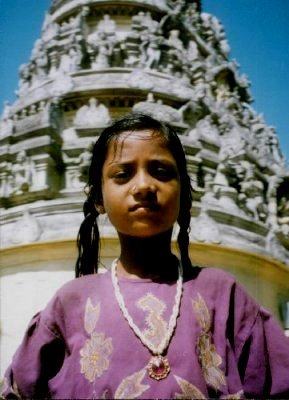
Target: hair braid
(184, 220)
(183, 241)
(88, 240)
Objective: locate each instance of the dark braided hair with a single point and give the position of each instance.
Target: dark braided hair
(88, 235)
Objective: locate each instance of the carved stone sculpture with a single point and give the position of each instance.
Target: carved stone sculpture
(93, 115)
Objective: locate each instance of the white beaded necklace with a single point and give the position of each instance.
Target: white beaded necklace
(158, 366)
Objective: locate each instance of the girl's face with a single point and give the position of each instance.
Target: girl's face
(141, 184)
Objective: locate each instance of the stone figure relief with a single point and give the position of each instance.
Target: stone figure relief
(72, 178)
(6, 122)
(233, 141)
(272, 145)
(180, 87)
(158, 110)
(146, 31)
(137, 22)
(39, 63)
(27, 229)
(222, 91)
(193, 52)
(100, 49)
(176, 9)
(202, 95)
(204, 229)
(69, 136)
(267, 145)
(37, 49)
(162, 4)
(140, 79)
(71, 61)
(223, 187)
(5, 180)
(50, 29)
(214, 33)
(128, 53)
(25, 76)
(76, 169)
(143, 22)
(26, 174)
(69, 58)
(62, 84)
(85, 158)
(271, 199)
(252, 199)
(283, 215)
(208, 131)
(221, 178)
(252, 194)
(21, 173)
(101, 43)
(174, 40)
(93, 115)
(275, 248)
(70, 24)
(151, 52)
(194, 136)
(146, 106)
(60, 72)
(107, 25)
(75, 54)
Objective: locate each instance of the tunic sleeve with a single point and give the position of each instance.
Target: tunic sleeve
(39, 357)
(263, 356)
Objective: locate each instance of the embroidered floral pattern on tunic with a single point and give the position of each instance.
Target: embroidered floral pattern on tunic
(189, 391)
(157, 326)
(236, 396)
(132, 387)
(91, 316)
(97, 349)
(3, 387)
(207, 353)
(95, 356)
(13, 389)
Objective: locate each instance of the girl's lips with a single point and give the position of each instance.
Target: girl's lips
(145, 206)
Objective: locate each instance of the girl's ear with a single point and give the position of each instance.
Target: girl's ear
(100, 208)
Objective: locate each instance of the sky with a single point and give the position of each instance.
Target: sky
(257, 31)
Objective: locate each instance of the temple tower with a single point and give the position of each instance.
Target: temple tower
(96, 61)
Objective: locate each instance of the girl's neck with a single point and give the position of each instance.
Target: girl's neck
(147, 258)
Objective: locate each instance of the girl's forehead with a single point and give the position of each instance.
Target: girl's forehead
(128, 142)
(145, 135)
(141, 134)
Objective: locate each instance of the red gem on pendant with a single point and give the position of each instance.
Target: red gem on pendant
(158, 367)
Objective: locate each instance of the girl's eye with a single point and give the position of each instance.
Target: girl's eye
(164, 172)
(121, 175)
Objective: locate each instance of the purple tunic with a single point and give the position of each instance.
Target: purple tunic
(80, 346)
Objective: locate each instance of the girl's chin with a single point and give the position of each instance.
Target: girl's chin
(147, 234)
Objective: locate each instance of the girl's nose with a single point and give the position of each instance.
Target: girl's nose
(143, 183)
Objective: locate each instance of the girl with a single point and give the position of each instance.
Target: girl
(152, 326)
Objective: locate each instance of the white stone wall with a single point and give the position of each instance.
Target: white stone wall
(25, 290)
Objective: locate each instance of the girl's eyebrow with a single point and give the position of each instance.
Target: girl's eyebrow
(120, 163)
(161, 160)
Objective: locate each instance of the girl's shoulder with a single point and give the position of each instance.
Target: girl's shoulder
(219, 285)
(84, 286)
(211, 275)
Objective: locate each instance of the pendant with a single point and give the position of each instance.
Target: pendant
(158, 367)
